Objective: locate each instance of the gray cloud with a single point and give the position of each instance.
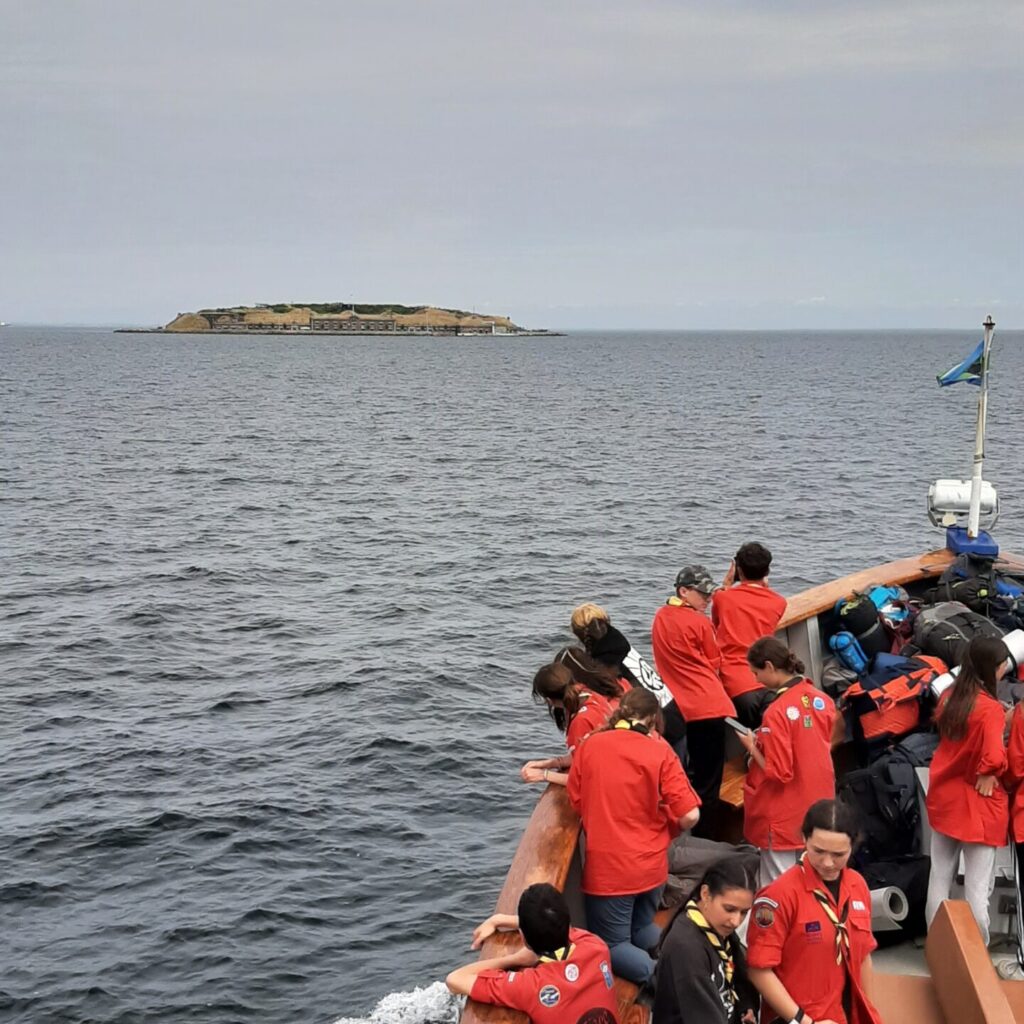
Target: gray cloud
(571, 163)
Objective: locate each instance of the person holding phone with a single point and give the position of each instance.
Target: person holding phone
(790, 757)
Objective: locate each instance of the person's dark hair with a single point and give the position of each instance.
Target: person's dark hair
(831, 816)
(636, 705)
(720, 877)
(753, 561)
(555, 682)
(589, 672)
(773, 651)
(544, 918)
(978, 669)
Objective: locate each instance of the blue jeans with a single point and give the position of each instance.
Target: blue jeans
(626, 923)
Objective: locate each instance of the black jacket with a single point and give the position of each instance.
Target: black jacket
(690, 980)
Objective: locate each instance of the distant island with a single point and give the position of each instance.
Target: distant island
(339, 318)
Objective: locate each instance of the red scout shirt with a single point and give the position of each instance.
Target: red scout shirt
(796, 740)
(741, 615)
(791, 934)
(1014, 777)
(592, 714)
(557, 991)
(630, 791)
(955, 807)
(687, 658)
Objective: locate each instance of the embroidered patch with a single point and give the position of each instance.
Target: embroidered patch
(819, 703)
(607, 974)
(812, 926)
(764, 730)
(572, 972)
(549, 995)
(767, 899)
(805, 700)
(859, 905)
(792, 713)
(807, 721)
(764, 916)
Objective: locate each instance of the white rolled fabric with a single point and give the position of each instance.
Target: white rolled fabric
(889, 907)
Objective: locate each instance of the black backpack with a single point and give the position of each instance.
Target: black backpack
(945, 630)
(859, 616)
(971, 580)
(885, 796)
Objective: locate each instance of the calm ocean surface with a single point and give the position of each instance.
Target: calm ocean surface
(271, 608)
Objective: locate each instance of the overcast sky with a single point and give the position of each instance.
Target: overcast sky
(636, 163)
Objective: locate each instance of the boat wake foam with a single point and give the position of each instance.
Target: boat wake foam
(431, 1005)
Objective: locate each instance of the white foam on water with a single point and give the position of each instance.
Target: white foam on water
(431, 1005)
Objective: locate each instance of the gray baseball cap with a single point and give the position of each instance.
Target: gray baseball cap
(696, 577)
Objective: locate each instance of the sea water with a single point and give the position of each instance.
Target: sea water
(272, 605)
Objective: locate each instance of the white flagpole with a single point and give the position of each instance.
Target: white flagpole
(979, 436)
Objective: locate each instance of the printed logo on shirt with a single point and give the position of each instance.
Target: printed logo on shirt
(764, 912)
(792, 713)
(549, 996)
(572, 972)
(606, 973)
(819, 704)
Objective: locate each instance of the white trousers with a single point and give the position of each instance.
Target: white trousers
(979, 877)
(774, 862)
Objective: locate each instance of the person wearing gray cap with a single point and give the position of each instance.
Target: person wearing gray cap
(687, 658)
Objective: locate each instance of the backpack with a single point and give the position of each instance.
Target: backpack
(890, 702)
(885, 796)
(945, 630)
(859, 616)
(971, 580)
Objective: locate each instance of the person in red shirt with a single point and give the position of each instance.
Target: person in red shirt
(687, 658)
(809, 945)
(968, 808)
(791, 757)
(633, 798)
(1014, 781)
(561, 975)
(740, 614)
(576, 708)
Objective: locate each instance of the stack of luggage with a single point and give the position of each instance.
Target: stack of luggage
(887, 652)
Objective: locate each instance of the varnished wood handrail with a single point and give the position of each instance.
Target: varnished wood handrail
(965, 981)
(889, 574)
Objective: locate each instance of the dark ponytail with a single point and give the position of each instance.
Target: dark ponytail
(555, 683)
(978, 669)
(770, 650)
(636, 705)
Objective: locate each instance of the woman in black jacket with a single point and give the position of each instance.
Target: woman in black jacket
(702, 971)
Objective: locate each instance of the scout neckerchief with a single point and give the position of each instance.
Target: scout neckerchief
(728, 966)
(632, 723)
(559, 954)
(838, 922)
(842, 933)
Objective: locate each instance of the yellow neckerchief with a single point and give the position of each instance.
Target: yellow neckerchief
(728, 966)
(559, 954)
(632, 723)
(838, 920)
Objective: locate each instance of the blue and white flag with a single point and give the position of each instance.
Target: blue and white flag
(970, 370)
